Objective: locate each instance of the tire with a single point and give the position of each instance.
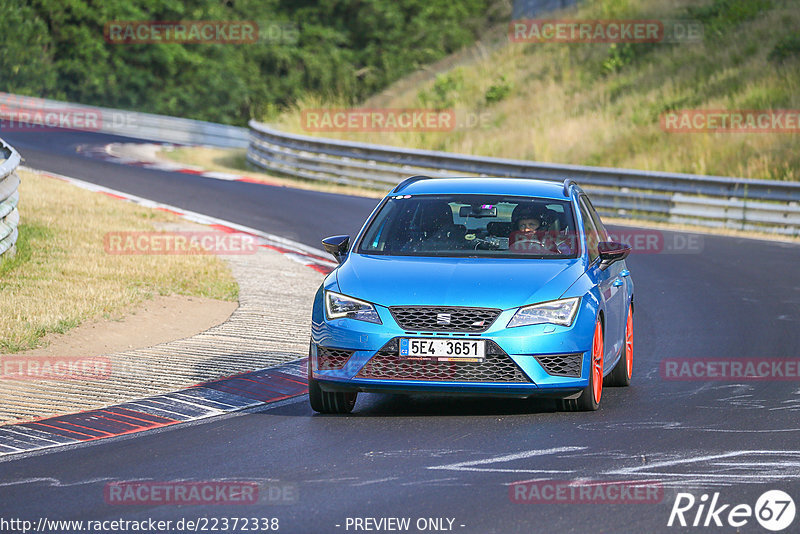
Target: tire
(589, 399)
(621, 375)
(332, 402)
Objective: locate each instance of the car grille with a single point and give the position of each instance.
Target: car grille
(444, 318)
(332, 359)
(562, 364)
(386, 364)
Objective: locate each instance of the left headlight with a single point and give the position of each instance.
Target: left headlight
(554, 312)
(338, 306)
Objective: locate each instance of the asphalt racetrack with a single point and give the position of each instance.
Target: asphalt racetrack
(427, 457)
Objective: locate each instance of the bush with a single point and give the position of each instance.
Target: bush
(341, 50)
(723, 15)
(498, 91)
(787, 47)
(445, 90)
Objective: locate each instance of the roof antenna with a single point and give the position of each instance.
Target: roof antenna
(568, 182)
(408, 181)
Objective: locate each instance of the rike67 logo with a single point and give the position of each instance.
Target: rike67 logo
(774, 510)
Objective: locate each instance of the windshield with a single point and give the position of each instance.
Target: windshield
(472, 225)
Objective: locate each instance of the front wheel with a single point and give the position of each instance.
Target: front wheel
(589, 399)
(621, 375)
(333, 402)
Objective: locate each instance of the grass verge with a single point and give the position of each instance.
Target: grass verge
(62, 276)
(601, 104)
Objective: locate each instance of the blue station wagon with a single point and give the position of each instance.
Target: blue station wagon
(474, 286)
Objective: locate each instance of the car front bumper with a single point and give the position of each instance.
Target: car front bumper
(526, 346)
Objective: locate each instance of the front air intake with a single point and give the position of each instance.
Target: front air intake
(562, 364)
(332, 359)
(386, 364)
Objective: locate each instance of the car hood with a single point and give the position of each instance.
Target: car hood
(481, 282)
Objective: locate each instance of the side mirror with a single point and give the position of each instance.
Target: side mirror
(337, 246)
(611, 252)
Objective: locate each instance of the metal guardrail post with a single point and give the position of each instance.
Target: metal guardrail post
(9, 198)
(717, 201)
(714, 201)
(125, 123)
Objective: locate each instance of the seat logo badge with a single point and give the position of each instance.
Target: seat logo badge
(442, 318)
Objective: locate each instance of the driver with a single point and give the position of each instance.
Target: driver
(530, 231)
(528, 225)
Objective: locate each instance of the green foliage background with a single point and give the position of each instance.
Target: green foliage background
(343, 49)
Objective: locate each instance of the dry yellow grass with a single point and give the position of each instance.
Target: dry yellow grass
(562, 107)
(62, 276)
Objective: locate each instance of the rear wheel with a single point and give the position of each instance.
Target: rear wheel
(621, 375)
(589, 399)
(334, 402)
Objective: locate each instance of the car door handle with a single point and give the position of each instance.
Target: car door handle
(617, 283)
(626, 272)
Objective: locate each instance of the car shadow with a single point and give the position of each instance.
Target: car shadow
(405, 405)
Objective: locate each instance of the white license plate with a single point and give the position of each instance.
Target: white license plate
(443, 350)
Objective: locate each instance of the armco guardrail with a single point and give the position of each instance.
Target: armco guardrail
(714, 201)
(9, 198)
(17, 111)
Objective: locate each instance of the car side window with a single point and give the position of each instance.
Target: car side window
(601, 229)
(592, 236)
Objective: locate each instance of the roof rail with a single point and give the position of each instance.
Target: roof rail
(568, 182)
(408, 181)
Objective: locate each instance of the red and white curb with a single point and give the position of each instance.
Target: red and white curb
(206, 400)
(298, 252)
(108, 153)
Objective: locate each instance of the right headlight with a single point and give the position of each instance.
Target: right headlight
(554, 312)
(339, 306)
